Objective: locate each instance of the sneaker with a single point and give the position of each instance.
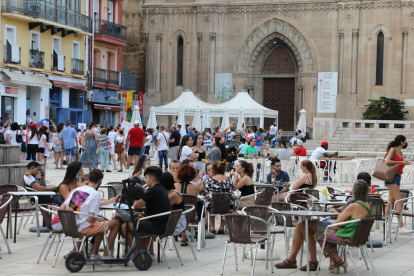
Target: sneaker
(126, 171)
(97, 257)
(108, 171)
(115, 168)
(120, 170)
(405, 231)
(130, 263)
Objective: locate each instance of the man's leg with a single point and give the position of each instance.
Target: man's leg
(136, 158)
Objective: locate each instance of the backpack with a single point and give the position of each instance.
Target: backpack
(56, 140)
(2, 138)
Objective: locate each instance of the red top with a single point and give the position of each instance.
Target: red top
(300, 151)
(137, 135)
(400, 168)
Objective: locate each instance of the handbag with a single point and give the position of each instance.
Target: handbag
(385, 172)
(19, 138)
(124, 215)
(119, 148)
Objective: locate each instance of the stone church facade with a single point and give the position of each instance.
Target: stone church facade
(275, 50)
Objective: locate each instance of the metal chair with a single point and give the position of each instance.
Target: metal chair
(200, 222)
(173, 218)
(378, 213)
(240, 228)
(409, 200)
(220, 205)
(361, 238)
(189, 214)
(46, 214)
(4, 208)
(312, 192)
(332, 192)
(265, 198)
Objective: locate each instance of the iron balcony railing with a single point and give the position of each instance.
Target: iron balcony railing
(8, 56)
(37, 58)
(78, 66)
(56, 62)
(111, 29)
(99, 75)
(50, 12)
(113, 77)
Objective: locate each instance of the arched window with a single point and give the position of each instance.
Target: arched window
(180, 54)
(380, 59)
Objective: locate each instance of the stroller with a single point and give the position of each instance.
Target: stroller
(231, 157)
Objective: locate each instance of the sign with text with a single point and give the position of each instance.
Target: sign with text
(224, 86)
(127, 126)
(327, 91)
(11, 91)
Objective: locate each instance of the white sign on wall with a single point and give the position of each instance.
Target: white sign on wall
(327, 91)
(127, 126)
(224, 86)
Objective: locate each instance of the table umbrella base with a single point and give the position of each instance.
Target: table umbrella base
(210, 235)
(261, 254)
(375, 244)
(43, 229)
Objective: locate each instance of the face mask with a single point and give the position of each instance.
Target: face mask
(279, 131)
(405, 146)
(221, 130)
(267, 145)
(98, 128)
(121, 132)
(146, 166)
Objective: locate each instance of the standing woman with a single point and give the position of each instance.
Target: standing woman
(89, 157)
(43, 144)
(12, 133)
(120, 139)
(201, 150)
(185, 151)
(148, 141)
(394, 157)
(23, 149)
(32, 144)
(112, 134)
(219, 152)
(243, 182)
(58, 147)
(103, 144)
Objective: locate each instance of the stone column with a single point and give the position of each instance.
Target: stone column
(341, 61)
(354, 65)
(211, 59)
(404, 52)
(199, 61)
(146, 37)
(158, 38)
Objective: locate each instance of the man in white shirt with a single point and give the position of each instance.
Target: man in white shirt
(321, 152)
(272, 131)
(30, 181)
(162, 147)
(87, 199)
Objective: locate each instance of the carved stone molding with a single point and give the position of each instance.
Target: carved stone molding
(355, 33)
(341, 34)
(146, 36)
(212, 36)
(200, 36)
(158, 37)
(405, 32)
(267, 32)
(249, 87)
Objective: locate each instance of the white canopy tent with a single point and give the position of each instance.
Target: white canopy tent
(189, 102)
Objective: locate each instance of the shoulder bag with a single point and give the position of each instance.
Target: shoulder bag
(19, 138)
(384, 172)
(119, 147)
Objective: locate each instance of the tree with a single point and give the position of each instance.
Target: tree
(385, 109)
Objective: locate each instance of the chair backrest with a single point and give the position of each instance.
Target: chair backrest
(221, 203)
(312, 192)
(331, 190)
(265, 198)
(260, 212)
(190, 214)
(294, 197)
(172, 222)
(67, 218)
(347, 167)
(282, 206)
(363, 231)
(284, 164)
(114, 188)
(378, 207)
(5, 188)
(239, 228)
(191, 200)
(46, 217)
(5, 205)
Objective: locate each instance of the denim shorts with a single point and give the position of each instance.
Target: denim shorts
(396, 180)
(71, 151)
(134, 151)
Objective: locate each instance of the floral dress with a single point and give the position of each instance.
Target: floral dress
(215, 186)
(89, 157)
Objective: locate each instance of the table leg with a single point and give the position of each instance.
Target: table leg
(10, 221)
(277, 191)
(307, 244)
(37, 215)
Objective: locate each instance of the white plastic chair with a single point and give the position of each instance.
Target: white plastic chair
(346, 169)
(284, 164)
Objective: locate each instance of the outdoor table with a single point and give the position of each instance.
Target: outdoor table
(114, 207)
(326, 202)
(259, 184)
(34, 195)
(306, 215)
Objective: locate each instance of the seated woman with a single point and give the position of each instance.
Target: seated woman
(70, 181)
(177, 202)
(296, 138)
(218, 183)
(185, 175)
(309, 180)
(243, 181)
(360, 209)
(144, 162)
(300, 150)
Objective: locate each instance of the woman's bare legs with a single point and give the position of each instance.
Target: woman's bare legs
(299, 238)
(394, 195)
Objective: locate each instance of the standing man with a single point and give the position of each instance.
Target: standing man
(162, 147)
(181, 130)
(135, 141)
(259, 140)
(174, 142)
(70, 144)
(272, 131)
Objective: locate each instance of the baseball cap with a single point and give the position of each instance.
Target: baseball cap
(324, 143)
(32, 125)
(136, 122)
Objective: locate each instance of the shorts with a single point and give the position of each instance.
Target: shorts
(40, 150)
(23, 147)
(134, 151)
(148, 227)
(112, 150)
(396, 180)
(71, 151)
(94, 228)
(57, 226)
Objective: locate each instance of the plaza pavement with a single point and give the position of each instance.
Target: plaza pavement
(394, 259)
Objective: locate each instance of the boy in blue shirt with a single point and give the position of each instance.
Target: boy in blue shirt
(278, 175)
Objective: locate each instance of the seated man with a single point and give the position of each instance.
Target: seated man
(319, 153)
(174, 166)
(30, 181)
(283, 153)
(278, 138)
(87, 199)
(278, 175)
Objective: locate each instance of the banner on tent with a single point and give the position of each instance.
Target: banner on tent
(327, 92)
(224, 86)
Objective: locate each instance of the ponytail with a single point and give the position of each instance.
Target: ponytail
(397, 141)
(247, 167)
(312, 169)
(219, 167)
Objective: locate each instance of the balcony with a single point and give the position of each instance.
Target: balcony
(99, 75)
(78, 66)
(12, 54)
(47, 11)
(37, 59)
(110, 32)
(58, 62)
(106, 79)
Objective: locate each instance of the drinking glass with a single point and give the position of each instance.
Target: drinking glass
(310, 203)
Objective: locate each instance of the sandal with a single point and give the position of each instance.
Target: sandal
(184, 243)
(220, 232)
(213, 231)
(334, 269)
(342, 264)
(287, 264)
(312, 266)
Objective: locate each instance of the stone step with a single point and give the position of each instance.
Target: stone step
(9, 154)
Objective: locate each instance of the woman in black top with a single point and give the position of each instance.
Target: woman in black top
(177, 203)
(309, 180)
(243, 182)
(201, 150)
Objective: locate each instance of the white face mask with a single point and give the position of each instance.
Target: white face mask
(279, 131)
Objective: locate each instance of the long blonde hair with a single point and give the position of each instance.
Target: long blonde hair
(312, 169)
